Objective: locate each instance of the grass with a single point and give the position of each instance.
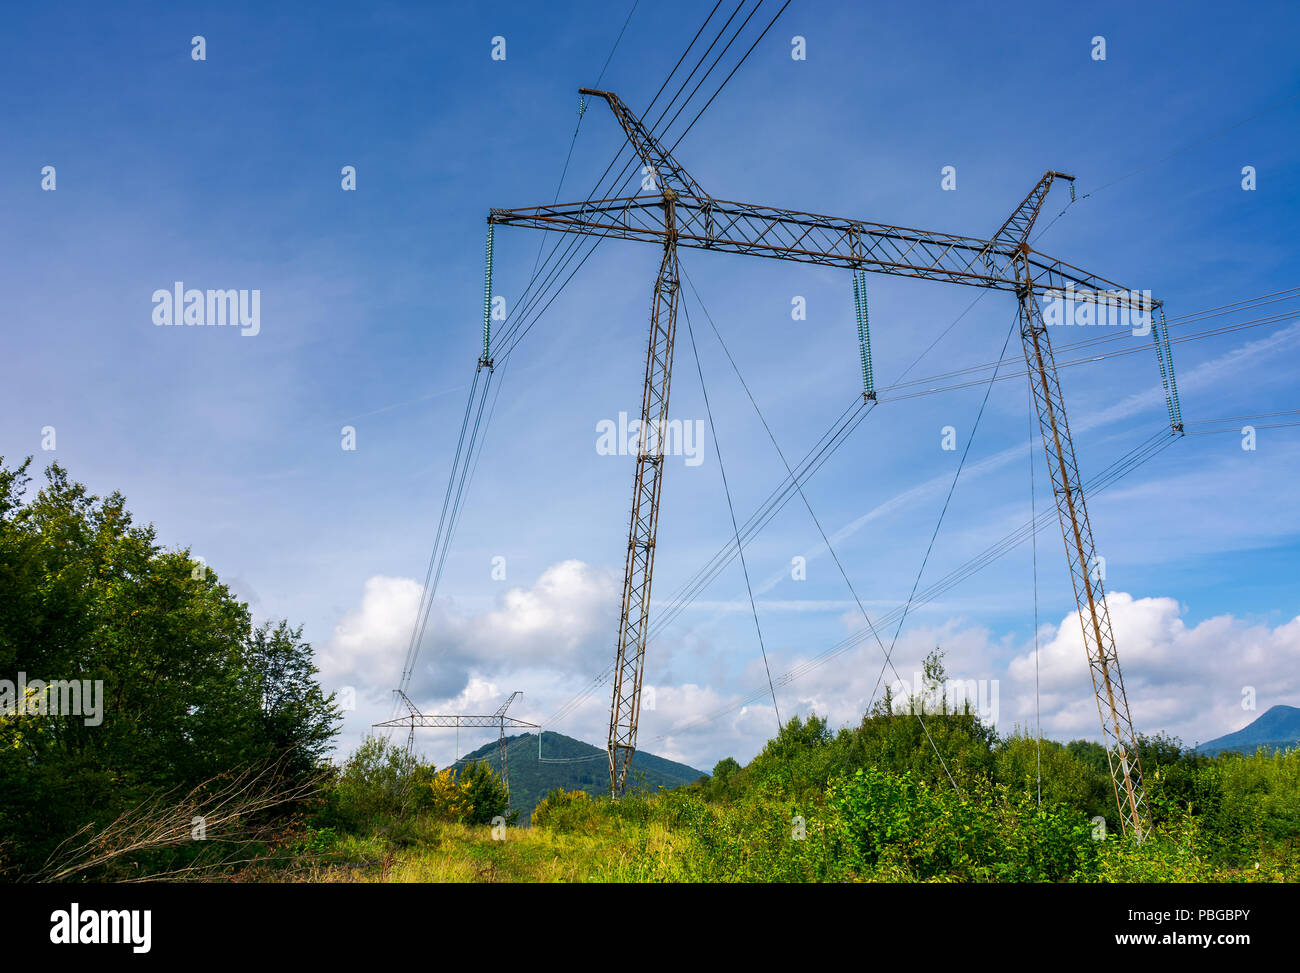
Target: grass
(613, 850)
(470, 853)
(1232, 821)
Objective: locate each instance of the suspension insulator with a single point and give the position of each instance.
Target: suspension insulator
(487, 302)
(864, 333)
(1173, 382)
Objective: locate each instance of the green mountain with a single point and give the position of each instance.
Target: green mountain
(1276, 729)
(575, 766)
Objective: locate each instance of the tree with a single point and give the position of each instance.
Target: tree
(724, 771)
(1160, 749)
(448, 798)
(485, 793)
(799, 760)
(183, 688)
(1091, 753)
(380, 780)
(1066, 778)
(925, 737)
(297, 716)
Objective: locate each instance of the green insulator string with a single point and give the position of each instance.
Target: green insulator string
(857, 316)
(1165, 356)
(866, 342)
(487, 304)
(1175, 404)
(864, 333)
(1164, 374)
(1072, 190)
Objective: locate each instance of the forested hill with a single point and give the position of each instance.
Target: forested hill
(583, 768)
(1277, 729)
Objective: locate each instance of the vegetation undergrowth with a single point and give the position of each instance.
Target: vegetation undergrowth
(204, 754)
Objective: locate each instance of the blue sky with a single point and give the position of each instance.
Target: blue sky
(225, 173)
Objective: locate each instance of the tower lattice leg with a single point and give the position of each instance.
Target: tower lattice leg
(505, 768)
(1098, 640)
(634, 621)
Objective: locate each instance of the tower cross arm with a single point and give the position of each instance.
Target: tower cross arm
(784, 234)
(434, 719)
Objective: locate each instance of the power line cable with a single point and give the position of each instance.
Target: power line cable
(1117, 471)
(450, 515)
(717, 448)
(803, 496)
(948, 499)
(1033, 518)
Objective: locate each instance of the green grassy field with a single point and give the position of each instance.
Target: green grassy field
(470, 853)
(865, 804)
(873, 827)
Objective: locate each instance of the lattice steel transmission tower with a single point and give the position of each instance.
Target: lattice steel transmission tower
(675, 212)
(414, 718)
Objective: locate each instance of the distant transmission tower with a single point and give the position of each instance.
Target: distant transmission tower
(414, 718)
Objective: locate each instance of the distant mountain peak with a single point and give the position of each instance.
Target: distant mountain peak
(574, 766)
(1276, 728)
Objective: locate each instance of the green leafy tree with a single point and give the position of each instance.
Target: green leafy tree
(190, 691)
(296, 715)
(485, 792)
(724, 772)
(1091, 753)
(799, 760)
(380, 781)
(1065, 778)
(925, 736)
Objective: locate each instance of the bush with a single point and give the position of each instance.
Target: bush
(485, 794)
(1266, 785)
(1066, 779)
(380, 780)
(566, 811)
(983, 834)
(1169, 854)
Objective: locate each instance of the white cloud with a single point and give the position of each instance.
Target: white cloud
(1186, 680)
(549, 639)
(368, 646)
(553, 638)
(557, 620)
(1181, 679)
(558, 623)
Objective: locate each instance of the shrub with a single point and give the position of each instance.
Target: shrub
(566, 811)
(379, 780)
(472, 795)
(981, 834)
(1066, 779)
(485, 793)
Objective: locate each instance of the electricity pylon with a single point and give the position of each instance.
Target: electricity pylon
(675, 212)
(414, 718)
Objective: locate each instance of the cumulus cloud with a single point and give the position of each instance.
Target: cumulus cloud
(558, 632)
(1187, 680)
(368, 645)
(1184, 679)
(552, 639)
(559, 622)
